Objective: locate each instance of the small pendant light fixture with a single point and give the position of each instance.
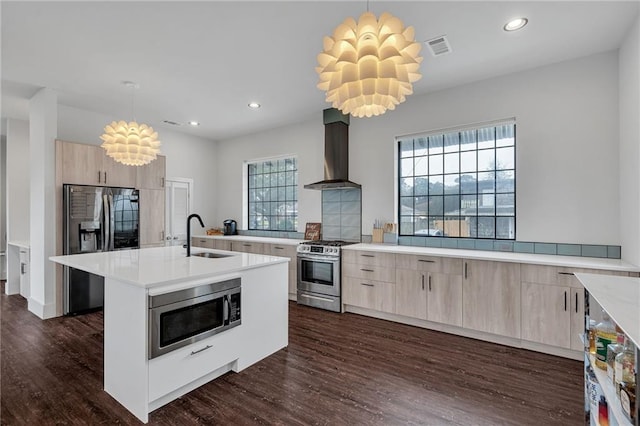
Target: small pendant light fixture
(368, 66)
(130, 143)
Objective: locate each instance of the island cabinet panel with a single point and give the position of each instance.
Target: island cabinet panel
(185, 365)
(375, 295)
(491, 297)
(152, 210)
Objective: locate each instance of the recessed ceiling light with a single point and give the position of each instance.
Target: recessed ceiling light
(254, 105)
(194, 123)
(515, 24)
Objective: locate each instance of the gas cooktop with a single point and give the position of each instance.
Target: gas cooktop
(322, 247)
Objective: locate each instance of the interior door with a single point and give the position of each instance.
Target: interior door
(178, 205)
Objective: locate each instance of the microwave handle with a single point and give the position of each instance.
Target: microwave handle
(225, 310)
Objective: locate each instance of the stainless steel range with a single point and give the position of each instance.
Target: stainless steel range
(319, 270)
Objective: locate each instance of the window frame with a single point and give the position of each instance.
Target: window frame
(477, 194)
(247, 192)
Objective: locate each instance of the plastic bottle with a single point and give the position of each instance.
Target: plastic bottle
(605, 334)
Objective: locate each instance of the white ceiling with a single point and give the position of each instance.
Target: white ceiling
(205, 61)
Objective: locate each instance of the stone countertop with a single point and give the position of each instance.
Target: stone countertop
(152, 267)
(536, 259)
(620, 297)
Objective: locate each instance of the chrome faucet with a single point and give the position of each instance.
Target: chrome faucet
(191, 216)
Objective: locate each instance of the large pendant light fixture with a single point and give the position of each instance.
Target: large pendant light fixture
(130, 143)
(368, 66)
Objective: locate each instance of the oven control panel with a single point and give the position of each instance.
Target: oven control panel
(323, 250)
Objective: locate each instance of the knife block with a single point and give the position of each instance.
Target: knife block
(378, 236)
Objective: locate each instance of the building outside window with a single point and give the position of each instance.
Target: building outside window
(458, 183)
(273, 194)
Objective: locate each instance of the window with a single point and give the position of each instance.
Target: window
(273, 194)
(459, 183)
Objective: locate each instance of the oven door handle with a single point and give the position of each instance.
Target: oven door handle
(312, 258)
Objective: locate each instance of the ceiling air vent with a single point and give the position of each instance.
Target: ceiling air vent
(172, 123)
(439, 45)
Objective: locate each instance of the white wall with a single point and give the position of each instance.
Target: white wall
(18, 180)
(187, 156)
(629, 60)
(567, 150)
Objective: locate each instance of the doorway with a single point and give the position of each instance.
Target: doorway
(178, 205)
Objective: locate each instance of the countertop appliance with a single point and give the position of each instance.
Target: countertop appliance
(95, 219)
(319, 271)
(186, 316)
(230, 227)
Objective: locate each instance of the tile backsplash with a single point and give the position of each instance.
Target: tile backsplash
(342, 214)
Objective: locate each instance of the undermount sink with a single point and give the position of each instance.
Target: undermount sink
(211, 255)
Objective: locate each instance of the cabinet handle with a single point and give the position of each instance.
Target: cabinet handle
(162, 235)
(246, 245)
(162, 182)
(367, 270)
(279, 248)
(426, 261)
(565, 273)
(565, 300)
(576, 302)
(367, 255)
(22, 265)
(368, 285)
(105, 177)
(200, 350)
(422, 276)
(429, 282)
(465, 270)
(99, 175)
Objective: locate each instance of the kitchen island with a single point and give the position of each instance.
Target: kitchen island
(131, 277)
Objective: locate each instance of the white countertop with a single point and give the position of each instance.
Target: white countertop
(152, 267)
(19, 243)
(536, 259)
(268, 240)
(620, 297)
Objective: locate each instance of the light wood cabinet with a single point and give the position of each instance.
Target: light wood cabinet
(151, 212)
(431, 289)
(369, 258)
(577, 318)
(202, 242)
(546, 316)
(375, 295)
(411, 293)
(222, 244)
(285, 250)
(88, 165)
(491, 297)
(152, 175)
(247, 247)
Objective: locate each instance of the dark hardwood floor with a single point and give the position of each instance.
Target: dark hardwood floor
(338, 369)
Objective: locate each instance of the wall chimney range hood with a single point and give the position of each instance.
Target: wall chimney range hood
(336, 152)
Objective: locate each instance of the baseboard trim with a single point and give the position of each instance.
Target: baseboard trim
(42, 311)
(465, 332)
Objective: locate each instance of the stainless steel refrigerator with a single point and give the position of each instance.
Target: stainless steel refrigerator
(96, 219)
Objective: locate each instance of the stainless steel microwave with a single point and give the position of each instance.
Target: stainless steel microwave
(186, 316)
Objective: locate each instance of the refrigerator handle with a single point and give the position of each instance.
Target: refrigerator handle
(112, 227)
(106, 223)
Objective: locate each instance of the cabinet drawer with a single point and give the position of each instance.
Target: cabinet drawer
(559, 275)
(222, 244)
(443, 265)
(202, 242)
(281, 250)
(376, 295)
(376, 273)
(182, 366)
(369, 258)
(247, 247)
